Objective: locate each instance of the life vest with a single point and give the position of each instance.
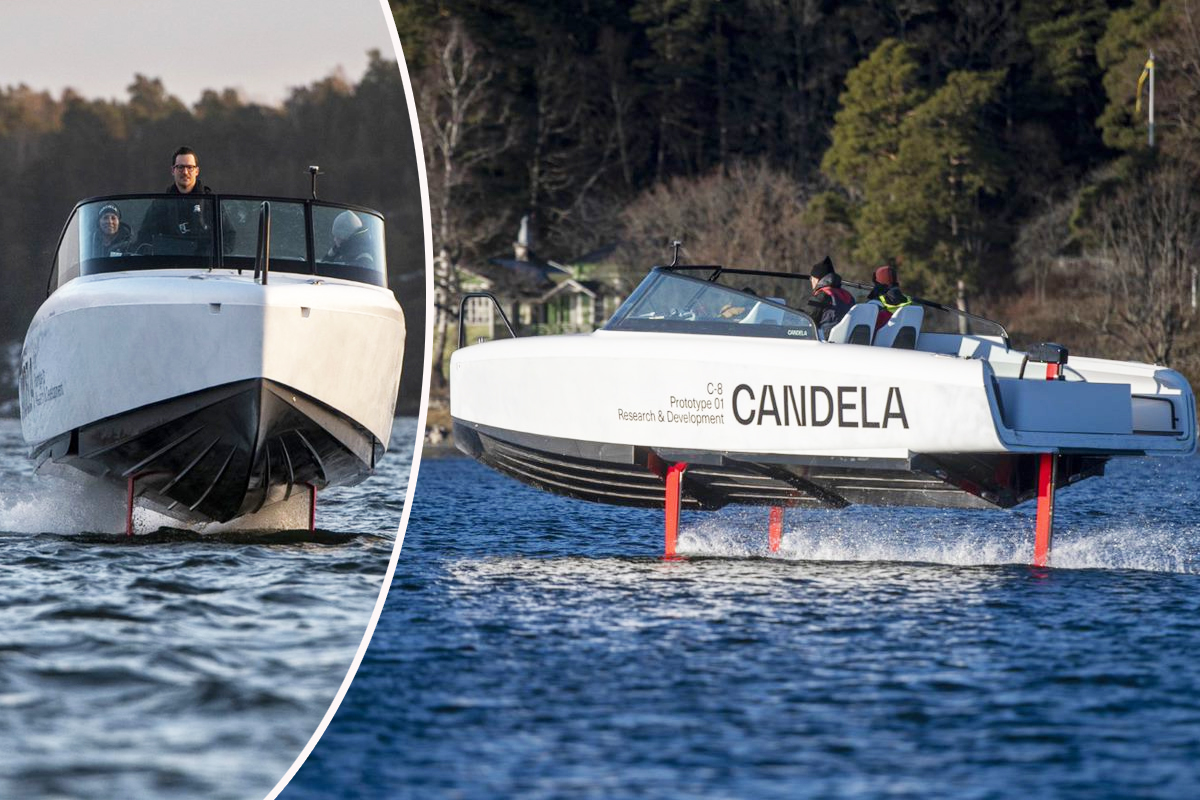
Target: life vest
(842, 300)
(891, 309)
(887, 309)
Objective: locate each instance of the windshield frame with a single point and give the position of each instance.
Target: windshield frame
(55, 280)
(710, 320)
(711, 273)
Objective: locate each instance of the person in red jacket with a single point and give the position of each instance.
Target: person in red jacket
(829, 300)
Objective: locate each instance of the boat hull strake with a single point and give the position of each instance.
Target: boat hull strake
(220, 453)
(631, 475)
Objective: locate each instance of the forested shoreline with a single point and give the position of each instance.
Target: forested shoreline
(55, 151)
(994, 145)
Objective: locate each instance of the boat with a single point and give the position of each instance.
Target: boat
(219, 356)
(712, 386)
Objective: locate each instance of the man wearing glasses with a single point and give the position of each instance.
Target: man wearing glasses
(179, 227)
(186, 170)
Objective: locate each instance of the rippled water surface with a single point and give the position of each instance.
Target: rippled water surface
(175, 664)
(538, 647)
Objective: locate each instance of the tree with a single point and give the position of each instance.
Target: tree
(948, 164)
(919, 166)
(149, 101)
(1173, 33)
(1121, 52)
(750, 215)
(563, 160)
(984, 35)
(1059, 90)
(464, 129)
(880, 94)
(613, 50)
(1149, 235)
(1063, 35)
(1042, 241)
(681, 35)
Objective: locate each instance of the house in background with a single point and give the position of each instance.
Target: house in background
(543, 297)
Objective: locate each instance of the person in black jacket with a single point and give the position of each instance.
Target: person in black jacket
(112, 236)
(179, 220)
(886, 292)
(352, 242)
(884, 278)
(185, 173)
(829, 301)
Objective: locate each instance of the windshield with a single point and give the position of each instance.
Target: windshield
(138, 232)
(108, 235)
(348, 244)
(673, 294)
(669, 301)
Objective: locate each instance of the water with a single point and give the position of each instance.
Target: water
(537, 647)
(175, 665)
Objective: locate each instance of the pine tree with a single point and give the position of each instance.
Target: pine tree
(918, 166)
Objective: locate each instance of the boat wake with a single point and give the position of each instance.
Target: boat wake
(948, 538)
(54, 505)
(1130, 547)
(48, 504)
(169, 535)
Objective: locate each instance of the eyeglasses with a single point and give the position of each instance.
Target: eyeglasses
(187, 167)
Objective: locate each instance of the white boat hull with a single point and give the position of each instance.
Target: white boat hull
(119, 366)
(594, 416)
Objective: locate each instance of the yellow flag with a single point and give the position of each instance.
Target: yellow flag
(1137, 104)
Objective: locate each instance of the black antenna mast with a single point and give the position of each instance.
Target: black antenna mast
(314, 171)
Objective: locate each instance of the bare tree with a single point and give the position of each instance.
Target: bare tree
(1041, 243)
(904, 12)
(749, 216)
(1149, 239)
(985, 33)
(464, 127)
(558, 114)
(579, 139)
(1178, 55)
(614, 56)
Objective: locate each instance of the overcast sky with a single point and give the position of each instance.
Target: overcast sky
(262, 48)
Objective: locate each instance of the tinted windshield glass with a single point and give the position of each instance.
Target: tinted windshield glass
(115, 235)
(348, 244)
(239, 234)
(948, 320)
(667, 301)
(181, 232)
(794, 290)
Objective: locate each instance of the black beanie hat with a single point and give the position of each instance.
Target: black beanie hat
(822, 269)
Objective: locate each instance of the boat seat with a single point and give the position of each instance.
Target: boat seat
(902, 330)
(764, 314)
(858, 326)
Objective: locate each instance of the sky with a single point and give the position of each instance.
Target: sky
(262, 48)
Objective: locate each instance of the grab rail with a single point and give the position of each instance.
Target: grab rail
(462, 325)
(262, 252)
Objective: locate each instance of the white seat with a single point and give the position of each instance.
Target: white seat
(903, 329)
(764, 314)
(858, 326)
